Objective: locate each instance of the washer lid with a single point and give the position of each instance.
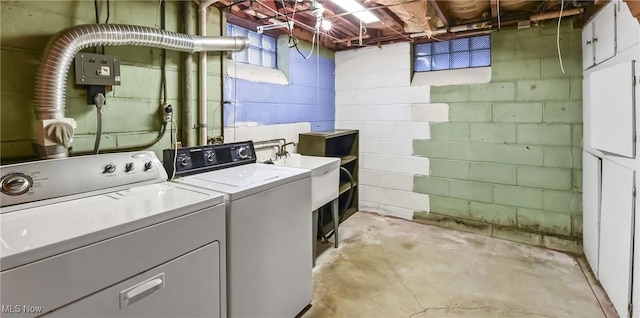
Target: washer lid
(32, 234)
(242, 177)
(238, 182)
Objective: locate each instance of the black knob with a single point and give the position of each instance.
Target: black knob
(243, 152)
(210, 157)
(148, 165)
(129, 167)
(109, 168)
(184, 161)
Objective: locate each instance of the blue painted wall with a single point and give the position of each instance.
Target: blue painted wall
(309, 97)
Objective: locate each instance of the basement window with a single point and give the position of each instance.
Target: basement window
(261, 52)
(453, 54)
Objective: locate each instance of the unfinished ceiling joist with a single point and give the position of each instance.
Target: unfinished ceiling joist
(400, 20)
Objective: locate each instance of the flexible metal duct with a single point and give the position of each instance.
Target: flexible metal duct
(59, 54)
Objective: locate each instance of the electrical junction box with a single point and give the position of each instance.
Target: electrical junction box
(97, 69)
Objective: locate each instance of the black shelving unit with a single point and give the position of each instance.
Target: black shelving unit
(343, 144)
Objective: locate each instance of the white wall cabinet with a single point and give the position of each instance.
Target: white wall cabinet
(627, 31)
(612, 105)
(599, 37)
(591, 192)
(616, 234)
(587, 47)
(610, 163)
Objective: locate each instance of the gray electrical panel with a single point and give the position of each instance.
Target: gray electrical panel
(97, 69)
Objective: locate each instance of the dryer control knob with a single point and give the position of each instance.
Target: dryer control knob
(109, 168)
(148, 165)
(243, 152)
(184, 161)
(16, 184)
(129, 167)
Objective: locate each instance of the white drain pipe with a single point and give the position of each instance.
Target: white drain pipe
(202, 73)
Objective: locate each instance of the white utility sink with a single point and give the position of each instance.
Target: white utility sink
(325, 176)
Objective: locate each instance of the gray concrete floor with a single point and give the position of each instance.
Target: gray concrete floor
(387, 267)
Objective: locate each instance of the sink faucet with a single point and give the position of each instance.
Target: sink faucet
(283, 150)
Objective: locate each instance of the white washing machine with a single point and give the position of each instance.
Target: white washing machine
(268, 226)
(107, 236)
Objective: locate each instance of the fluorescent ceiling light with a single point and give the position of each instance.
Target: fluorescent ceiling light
(275, 25)
(357, 9)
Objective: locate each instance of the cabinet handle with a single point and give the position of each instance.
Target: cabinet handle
(142, 290)
(588, 42)
(595, 40)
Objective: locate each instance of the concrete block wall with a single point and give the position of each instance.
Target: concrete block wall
(501, 158)
(261, 110)
(374, 95)
(132, 113)
(509, 159)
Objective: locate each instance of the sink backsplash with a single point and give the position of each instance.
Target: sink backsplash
(256, 132)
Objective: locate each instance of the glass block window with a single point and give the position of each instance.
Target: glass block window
(452, 54)
(261, 52)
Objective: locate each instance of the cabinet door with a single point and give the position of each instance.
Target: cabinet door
(591, 186)
(604, 34)
(612, 100)
(627, 29)
(587, 46)
(616, 233)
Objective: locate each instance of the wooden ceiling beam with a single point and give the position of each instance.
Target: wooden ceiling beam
(347, 21)
(442, 9)
(397, 22)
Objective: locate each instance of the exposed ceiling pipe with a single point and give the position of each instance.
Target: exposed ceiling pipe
(202, 73)
(54, 132)
(487, 26)
(555, 15)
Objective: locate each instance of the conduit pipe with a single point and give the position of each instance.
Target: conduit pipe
(54, 132)
(202, 73)
(188, 125)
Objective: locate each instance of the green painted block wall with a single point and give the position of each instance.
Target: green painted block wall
(132, 113)
(510, 154)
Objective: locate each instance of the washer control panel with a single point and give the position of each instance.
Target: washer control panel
(191, 160)
(47, 179)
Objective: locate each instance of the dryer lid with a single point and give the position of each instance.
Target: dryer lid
(36, 233)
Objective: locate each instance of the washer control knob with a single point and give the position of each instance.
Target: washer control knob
(16, 184)
(109, 168)
(148, 165)
(210, 157)
(184, 161)
(129, 167)
(243, 152)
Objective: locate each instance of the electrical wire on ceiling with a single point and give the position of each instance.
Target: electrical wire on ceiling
(302, 25)
(558, 36)
(293, 41)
